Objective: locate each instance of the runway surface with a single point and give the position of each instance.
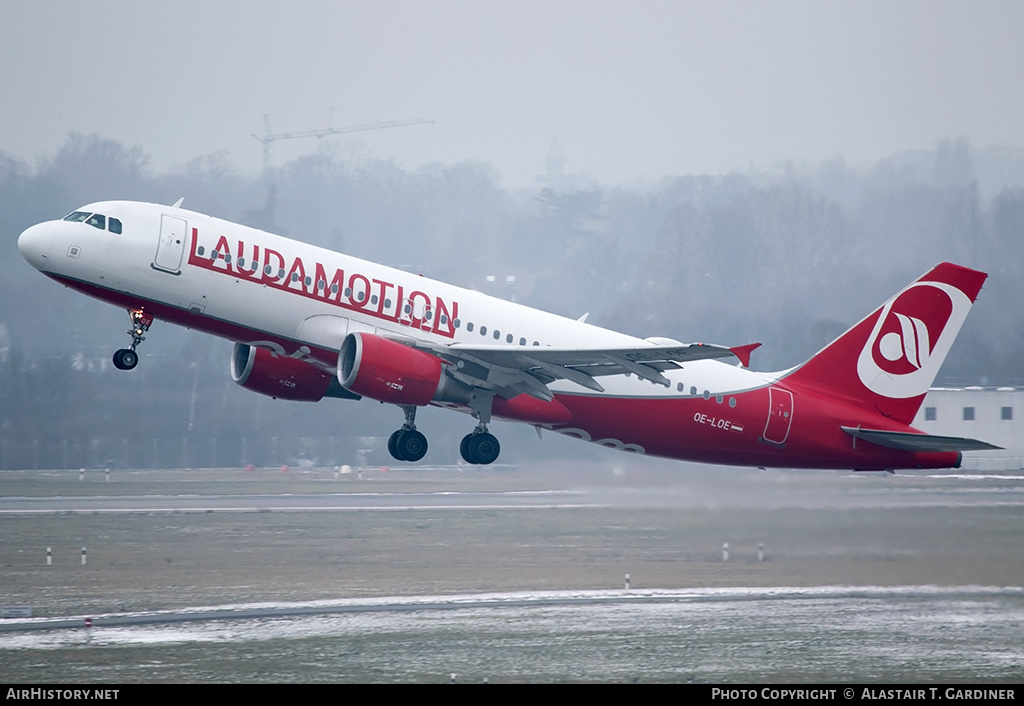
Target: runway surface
(410, 576)
(733, 488)
(829, 634)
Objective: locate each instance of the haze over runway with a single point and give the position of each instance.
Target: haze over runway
(696, 486)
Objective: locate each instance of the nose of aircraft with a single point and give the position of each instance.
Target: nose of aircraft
(35, 244)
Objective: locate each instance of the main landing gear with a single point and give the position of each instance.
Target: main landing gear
(127, 358)
(407, 444)
(479, 447)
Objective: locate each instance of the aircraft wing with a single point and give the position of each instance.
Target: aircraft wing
(510, 370)
(909, 441)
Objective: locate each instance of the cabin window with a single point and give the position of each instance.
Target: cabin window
(508, 338)
(497, 334)
(483, 330)
(968, 414)
(679, 387)
(732, 401)
(1006, 414)
(522, 341)
(930, 414)
(469, 326)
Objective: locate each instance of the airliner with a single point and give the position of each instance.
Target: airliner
(309, 323)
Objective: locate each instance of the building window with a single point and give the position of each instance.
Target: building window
(1006, 413)
(968, 414)
(930, 414)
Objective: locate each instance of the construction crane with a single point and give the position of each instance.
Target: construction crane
(268, 139)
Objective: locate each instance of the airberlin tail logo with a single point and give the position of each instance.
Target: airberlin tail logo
(911, 343)
(911, 338)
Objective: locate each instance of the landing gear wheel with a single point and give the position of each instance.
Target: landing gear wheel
(480, 448)
(412, 445)
(407, 445)
(393, 445)
(125, 359)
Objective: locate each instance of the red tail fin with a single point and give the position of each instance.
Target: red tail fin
(890, 359)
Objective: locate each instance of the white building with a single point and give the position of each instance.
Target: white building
(992, 414)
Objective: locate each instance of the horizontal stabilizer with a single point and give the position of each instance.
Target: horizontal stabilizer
(909, 441)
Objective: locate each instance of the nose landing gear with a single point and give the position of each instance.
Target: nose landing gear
(127, 358)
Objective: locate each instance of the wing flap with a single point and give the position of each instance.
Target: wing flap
(910, 441)
(596, 361)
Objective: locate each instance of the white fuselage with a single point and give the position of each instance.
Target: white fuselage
(312, 297)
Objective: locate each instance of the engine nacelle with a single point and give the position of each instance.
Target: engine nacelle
(261, 371)
(390, 372)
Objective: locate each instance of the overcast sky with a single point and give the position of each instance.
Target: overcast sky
(631, 89)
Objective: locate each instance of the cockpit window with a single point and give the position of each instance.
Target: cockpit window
(96, 220)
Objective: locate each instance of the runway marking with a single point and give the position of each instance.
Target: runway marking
(522, 599)
(297, 508)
